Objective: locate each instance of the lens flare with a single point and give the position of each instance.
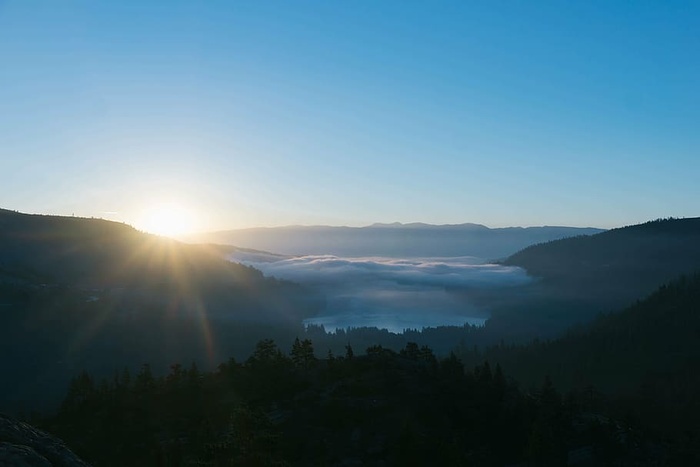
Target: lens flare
(167, 219)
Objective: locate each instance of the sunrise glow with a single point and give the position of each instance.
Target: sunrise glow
(167, 219)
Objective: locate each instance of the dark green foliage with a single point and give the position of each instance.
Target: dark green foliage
(80, 392)
(249, 438)
(385, 408)
(639, 364)
(303, 353)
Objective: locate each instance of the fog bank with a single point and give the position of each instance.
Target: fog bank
(391, 293)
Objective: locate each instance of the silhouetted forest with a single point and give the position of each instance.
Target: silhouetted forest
(378, 408)
(622, 391)
(644, 358)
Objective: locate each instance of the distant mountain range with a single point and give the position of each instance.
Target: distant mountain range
(393, 240)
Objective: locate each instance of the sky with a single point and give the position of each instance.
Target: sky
(242, 114)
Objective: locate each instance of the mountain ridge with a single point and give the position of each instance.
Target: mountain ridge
(650, 253)
(392, 240)
(579, 277)
(397, 225)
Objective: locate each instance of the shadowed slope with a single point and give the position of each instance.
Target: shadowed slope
(90, 293)
(632, 260)
(99, 253)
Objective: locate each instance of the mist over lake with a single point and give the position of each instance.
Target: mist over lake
(390, 293)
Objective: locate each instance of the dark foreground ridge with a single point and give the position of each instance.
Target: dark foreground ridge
(22, 445)
(382, 408)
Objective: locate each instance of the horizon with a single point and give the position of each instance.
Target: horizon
(180, 118)
(410, 224)
(357, 226)
(194, 234)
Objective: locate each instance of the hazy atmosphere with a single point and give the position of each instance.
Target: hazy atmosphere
(390, 293)
(392, 276)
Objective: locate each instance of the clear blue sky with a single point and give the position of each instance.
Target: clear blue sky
(352, 112)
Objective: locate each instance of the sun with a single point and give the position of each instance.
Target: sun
(167, 219)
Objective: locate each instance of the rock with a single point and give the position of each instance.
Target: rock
(22, 445)
(16, 455)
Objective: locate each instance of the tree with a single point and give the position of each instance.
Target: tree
(174, 379)
(303, 353)
(483, 373)
(125, 378)
(80, 392)
(411, 351)
(452, 367)
(144, 380)
(266, 352)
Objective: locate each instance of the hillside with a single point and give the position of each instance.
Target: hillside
(88, 293)
(631, 260)
(99, 253)
(628, 396)
(111, 259)
(393, 240)
(580, 277)
(619, 350)
(644, 359)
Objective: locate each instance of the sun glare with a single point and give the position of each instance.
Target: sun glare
(167, 219)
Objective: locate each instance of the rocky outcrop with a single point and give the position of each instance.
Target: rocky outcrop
(22, 445)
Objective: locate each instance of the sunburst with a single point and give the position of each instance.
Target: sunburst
(167, 219)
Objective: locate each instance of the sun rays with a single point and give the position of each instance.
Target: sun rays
(167, 219)
(161, 280)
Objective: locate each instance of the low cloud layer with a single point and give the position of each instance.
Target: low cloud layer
(437, 272)
(391, 293)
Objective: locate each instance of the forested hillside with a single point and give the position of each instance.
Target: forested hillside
(577, 278)
(622, 391)
(87, 293)
(630, 261)
(644, 360)
(98, 253)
